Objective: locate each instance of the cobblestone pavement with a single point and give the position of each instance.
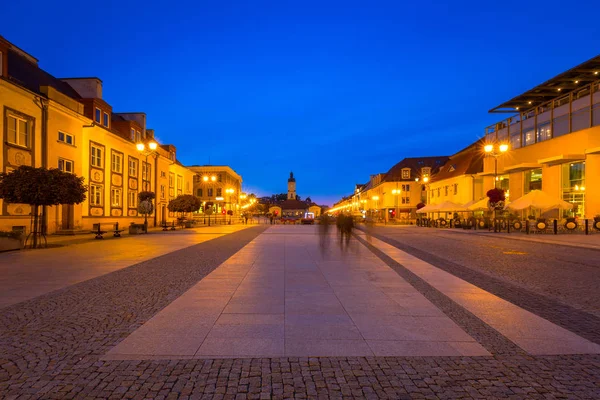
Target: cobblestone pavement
(50, 348)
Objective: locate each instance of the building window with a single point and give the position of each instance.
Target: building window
(132, 135)
(163, 174)
(97, 115)
(105, 120)
(95, 195)
(446, 190)
(66, 138)
(219, 192)
(220, 177)
(65, 165)
(115, 197)
(117, 162)
(171, 179)
(573, 187)
(97, 157)
(425, 172)
(133, 167)
(210, 192)
(179, 184)
(406, 173)
(199, 192)
(132, 201)
(438, 192)
(456, 188)
(19, 130)
(406, 188)
(503, 182)
(532, 180)
(163, 193)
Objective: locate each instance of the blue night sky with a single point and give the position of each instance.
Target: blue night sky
(334, 91)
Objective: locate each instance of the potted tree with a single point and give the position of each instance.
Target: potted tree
(145, 207)
(40, 187)
(183, 204)
(496, 203)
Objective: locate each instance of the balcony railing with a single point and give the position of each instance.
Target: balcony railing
(575, 111)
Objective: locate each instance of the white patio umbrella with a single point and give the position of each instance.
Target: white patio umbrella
(480, 205)
(540, 200)
(448, 206)
(427, 208)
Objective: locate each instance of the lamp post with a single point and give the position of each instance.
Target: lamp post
(495, 150)
(146, 151)
(230, 191)
(396, 192)
(376, 199)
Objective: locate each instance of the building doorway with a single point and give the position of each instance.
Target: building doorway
(68, 216)
(164, 214)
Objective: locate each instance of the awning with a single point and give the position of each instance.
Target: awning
(522, 167)
(595, 150)
(448, 206)
(562, 159)
(427, 208)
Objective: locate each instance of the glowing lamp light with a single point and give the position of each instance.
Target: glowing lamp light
(213, 178)
(205, 178)
(503, 148)
(488, 148)
(426, 179)
(140, 146)
(153, 145)
(375, 198)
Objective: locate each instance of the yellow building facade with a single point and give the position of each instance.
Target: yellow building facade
(219, 185)
(553, 141)
(66, 124)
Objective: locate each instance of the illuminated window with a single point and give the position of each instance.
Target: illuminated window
(66, 138)
(98, 112)
(65, 165)
(105, 120)
(96, 195)
(133, 167)
(117, 162)
(115, 197)
(96, 156)
(19, 130)
(132, 201)
(406, 173)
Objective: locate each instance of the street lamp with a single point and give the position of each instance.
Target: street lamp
(495, 150)
(396, 192)
(230, 191)
(146, 150)
(375, 199)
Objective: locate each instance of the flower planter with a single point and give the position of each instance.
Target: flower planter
(8, 243)
(136, 229)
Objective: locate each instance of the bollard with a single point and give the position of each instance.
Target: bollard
(587, 229)
(555, 226)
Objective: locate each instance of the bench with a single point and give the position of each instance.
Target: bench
(99, 232)
(166, 226)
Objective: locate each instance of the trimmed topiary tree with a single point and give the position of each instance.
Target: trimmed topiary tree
(145, 206)
(185, 203)
(40, 187)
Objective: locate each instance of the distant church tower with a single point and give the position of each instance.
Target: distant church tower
(292, 187)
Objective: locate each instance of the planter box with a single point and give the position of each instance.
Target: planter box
(136, 229)
(9, 243)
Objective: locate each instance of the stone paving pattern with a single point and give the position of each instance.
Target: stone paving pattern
(50, 348)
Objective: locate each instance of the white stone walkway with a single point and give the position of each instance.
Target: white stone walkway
(291, 293)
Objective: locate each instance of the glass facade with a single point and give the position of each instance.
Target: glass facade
(573, 187)
(532, 180)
